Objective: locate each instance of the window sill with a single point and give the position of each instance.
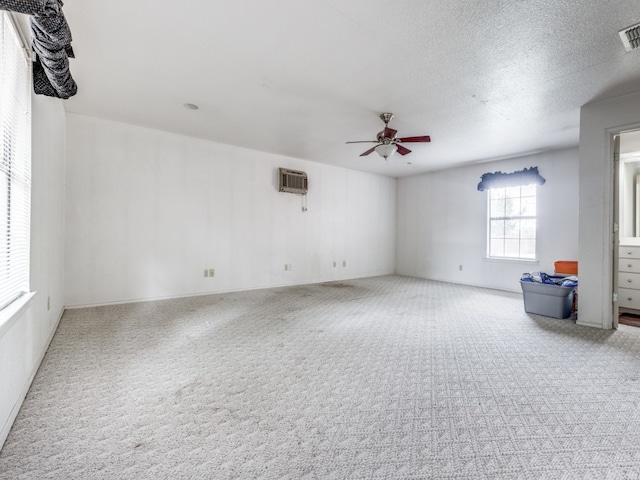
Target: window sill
(512, 260)
(14, 311)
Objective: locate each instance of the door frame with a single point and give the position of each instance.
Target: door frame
(614, 158)
(616, 230)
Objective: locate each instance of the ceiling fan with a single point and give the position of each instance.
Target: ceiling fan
(388, 143)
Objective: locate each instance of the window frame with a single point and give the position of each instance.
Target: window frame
(491, 217)
(15, 166)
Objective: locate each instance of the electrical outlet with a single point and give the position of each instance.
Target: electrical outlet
(460, 267)
(212, 272)
(206, 272)
(334, 264)
(344, 263)
(48, 303)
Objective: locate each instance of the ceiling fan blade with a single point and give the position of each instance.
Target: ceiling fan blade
(368, 151)
(425, 138)
(364, 141)
(402, 150)
(389, 132)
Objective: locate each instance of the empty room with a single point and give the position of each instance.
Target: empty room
(320, 240)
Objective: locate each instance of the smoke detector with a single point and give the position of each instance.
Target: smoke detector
(630, 37)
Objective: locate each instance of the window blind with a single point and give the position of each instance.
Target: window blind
(15, 167)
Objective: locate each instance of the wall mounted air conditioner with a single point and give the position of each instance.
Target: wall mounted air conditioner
(293, 181)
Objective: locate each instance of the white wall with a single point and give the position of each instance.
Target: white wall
(147, 211)
(24, 342)
(442, 222)
(598, 121)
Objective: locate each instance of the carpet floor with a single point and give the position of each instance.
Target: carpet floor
(378, 378)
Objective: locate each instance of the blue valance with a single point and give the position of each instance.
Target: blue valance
(528, 176)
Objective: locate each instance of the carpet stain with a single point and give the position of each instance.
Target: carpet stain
(337, 285)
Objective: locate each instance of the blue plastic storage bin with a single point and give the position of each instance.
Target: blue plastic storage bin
(548, 300)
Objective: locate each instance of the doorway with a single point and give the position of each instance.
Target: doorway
(626, 246)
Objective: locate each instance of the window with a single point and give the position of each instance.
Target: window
(512, 222)
(15, 164)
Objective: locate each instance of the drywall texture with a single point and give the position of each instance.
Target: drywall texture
(148, 211)
(598, 122)
(442, 222)
(24, 342)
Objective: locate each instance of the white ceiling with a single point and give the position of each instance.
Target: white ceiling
(486, 80)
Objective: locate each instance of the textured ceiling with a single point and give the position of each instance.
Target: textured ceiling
(486, 80)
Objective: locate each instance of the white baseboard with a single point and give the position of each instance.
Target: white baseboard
(468, 284)
(219, 292)
(6, 428)
(585, 324)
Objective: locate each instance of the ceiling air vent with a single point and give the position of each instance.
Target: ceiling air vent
(293, 181)
(630, 37)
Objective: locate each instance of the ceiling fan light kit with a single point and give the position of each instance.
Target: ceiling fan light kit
(386, 150)
(388, 143)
